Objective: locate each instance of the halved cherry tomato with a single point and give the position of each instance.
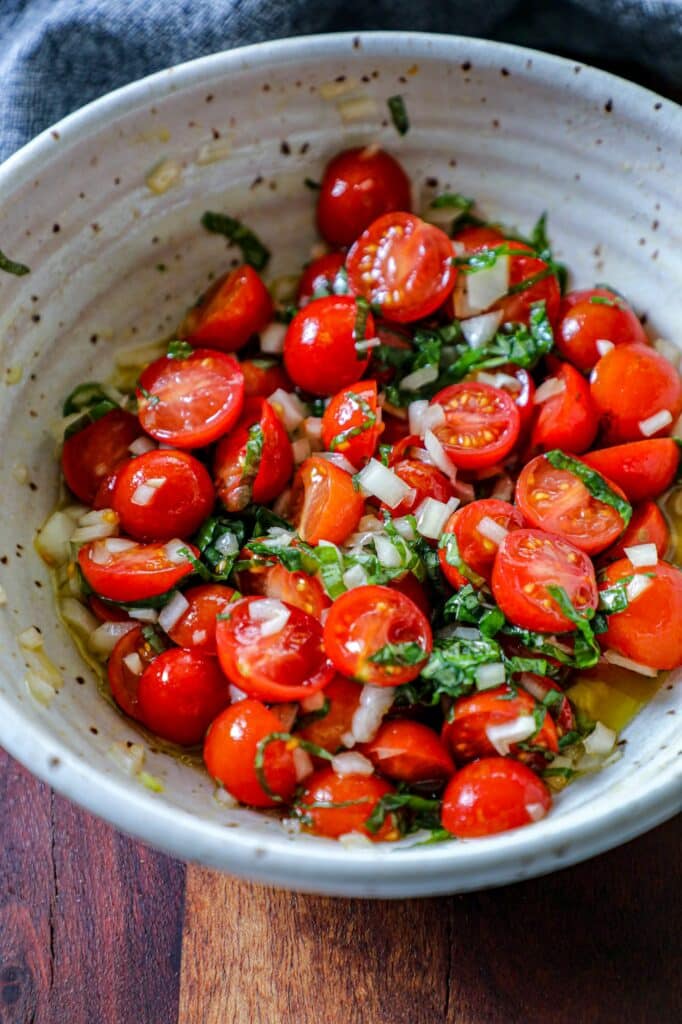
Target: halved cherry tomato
(427, 482)
(325, 794)
(162, 494)
(138, 572)
(263, 376)
(324, 502)
(288, 664)
(196, 626)
(230, 751)
(409, 752)
(89, 456)
(476, 549)
(254, 462)
(557, 501)
(294, 588)
(410, 586)
(403, 265)
(358, 186)
(644, 469)
(465, 734)
(319, 348)
(237, 306)
(567, 420)
(560, 710)
(123, 681)
(351, 424)
(530, 280)
(180, 694)
(518, 384)
(592, 315)
(481, 426)
(530, 561)
(328, 731)
(630, 384)
(395, 428)
(493, 795)
(368, 620)
(191, 402)
(647, 526)
(648, 630)
(319, 275)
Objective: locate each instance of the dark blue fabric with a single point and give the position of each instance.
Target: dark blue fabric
(56, 55)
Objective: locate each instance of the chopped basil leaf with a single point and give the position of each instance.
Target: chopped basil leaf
(253, 250)
(153, 638)
(593, 481)
(152, 400)
(361, 315)
(421, 811)
(401, 654)
(454, 200)
(398, 112)
(604, 300)
(448, 544)
(179, 350)
(341, 440)
(84, 396)
(313, 716)
(483, 259)
(528, 282)
(212, 536)
(586, 652)
(12, 267)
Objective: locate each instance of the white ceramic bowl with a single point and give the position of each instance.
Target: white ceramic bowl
(521, 131)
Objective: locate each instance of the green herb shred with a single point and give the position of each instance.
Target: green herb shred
(12, 267)
(593, 481)
(398, 112)
(253, 250)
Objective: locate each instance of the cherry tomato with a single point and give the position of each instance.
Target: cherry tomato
(493, 795)
(530, 281)
(395, 427)
(105, 492)
(230, 750)
(476, 549)
(319, 348)
(526, 564)
(134, 573)
(328, 732)
(89, 456)
(263, 376)
(191, 402)
(476, 238)
(288, 664)
(324, 502)
(124, 680)
(567, 420)
(351, 424)
(592, 315)
(561, 710)
(410, 586)
(361, 794)
(254, 462)
(648, 630)
(466, 733)
(358, 186)
(319, 275)
(365, 620)
(647, 526)
(427, 482)
(106, 612)
(644, 469)
(293, 587)
(237, 306)
(520, 387)
(481, 426)
(403, 265)
(630, 384)
(180, 694)
(409, 752)
(162, 494)
(196, 626)
(556, 501)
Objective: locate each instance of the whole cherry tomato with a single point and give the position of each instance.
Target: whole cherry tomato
(125, 666)
(319, 275)
(493, 795)
(320, 353)
(644, 469)
(324, 502)
(475, 549)
(630, 385)
(180, 694)
(481, 426)
(473, 720)
(592, 315)
(197, 625)
(567, 420)
(237, 306)
(409, 752)
(92, 454)
(351, 424)
(254, 462)
(647, 631)
(333, 805)
(358, 186)
(162, 494)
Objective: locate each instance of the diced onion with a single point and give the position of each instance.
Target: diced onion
(503, 735)
(78, 616)
(53, 539)
(637, 585)
(288, 407)
(213, 152)
(170, 614)
(536, 811)
(236, 695)
(381, 482)
(129, 757)
(614, 658)
(492, 530)
(354, 577)
(490, 675)
(642, 555)
(549, 389)
(415, 414)
(272, 339)
(143, 495)
(499, 380)
(366, 344)
(315, 702)
(352, 763)
(338, 460)
(40, 688)
(303, 766)
(375, 701)
(371, 524)
(301, 450)
(439, 456)
(163, 176)
(271, 614)
(144, 614)
(312, 428)
(653, 424)
(116, 545)
(432, 515)
(484, 287)
(405, 527)
(418, 378)
(364, 108)
(133, 662)
(31, 639)
(603, 346)
(534, 688)
(103, 640)
(226, 544)
(142, 445)
(601, 740)
(387, 552)
(348, 740)
(466, 633)
(176, 551)
(479, 330)
(95, 525)
(337, 87)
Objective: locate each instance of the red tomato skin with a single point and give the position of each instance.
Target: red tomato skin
(105, 492)
(205, 602)
(517, 308)
(275, 467)
(325, 505)
(319, 273)
(630, 384)
(327, 732)
(319, 347)
(465, 405)
(180, 694)
(294, 588)
(106, 612)
(568, 420)
(163, 411)
(477, 551)
(123, 683)
(476, 238)
(465, 736)
(395, 428)
(521, 548)
(89, 456)
(230, 750)
(647, 526)
(643, 469)
(236, 307)
(121, 578)
(406, 751)
(343, 414)
(403, 265)
(648, 631)
(583, 323)
(358, 186)
(427, 481)
(178, 507)
(327, 787)
(410, 586)
(490, 796)
(263, 376)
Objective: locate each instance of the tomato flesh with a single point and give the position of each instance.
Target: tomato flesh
(92, 454)
(351, 424)
(180, 694)
(254, 462)
(328, 731)
(324, 502)
(124, 683)
(136, 573)
(319, 275)
(476, 549)
(482, 424)
(647, 526)
(568, 420)
(427, 482)
(629, 385)
(196, 626)
(319, 348)
(358, 186)
(237, 306)
(493, 795)
(162, 494)
(263, 376)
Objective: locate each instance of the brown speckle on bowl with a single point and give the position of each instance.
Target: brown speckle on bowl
(466, 66)
(285, 148)
(608, 106)
(505, 72)
(55, 135)
(54, 762)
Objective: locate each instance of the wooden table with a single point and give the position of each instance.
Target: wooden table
(98, 929)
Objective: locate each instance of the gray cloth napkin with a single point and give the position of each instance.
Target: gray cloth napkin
(56, 55)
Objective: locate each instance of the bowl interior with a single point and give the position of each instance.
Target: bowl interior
(114, 265)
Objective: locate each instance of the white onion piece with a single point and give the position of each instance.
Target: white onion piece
(354, 577)
(78, 616)
(351, 763)
(503, 735)
(272, 339)
(278, 537)
(115, 545)
(271, 615)
(549, 389)
(40, 688)
(652, 424)
(348, 740)
(366, 344)
(432, 515)
(536, 811)
(226, 544)
(614, 658)
(387, 552)
(85, 534)
(236, 695)
(312, 428)
(364, 108)
(466, 633)
(30, 639)
(170, 614)
(53, 539)
(105, 637)
(415, 413)
(143, 495)
(315, 702)
(375, 701)
(534, 688)
(439, 456)
(499, 380)
(301, 450)
(142, 445)
(642, 555)
(484, 287)
(381, 482)
(176, 551)
(479, 330)
(404, 526)
(163, 176)
(418, 378)
(601, 740)
(603, 346)
(637, 585)
(133, 662)
(433, 417)
(337, 459)
(199, 636)
(144, 614)
(492, 530)
(288, 407)
(490, 675)
(303, 766)
(371, 524)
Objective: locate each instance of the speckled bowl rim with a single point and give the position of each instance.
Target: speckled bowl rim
(513, 856)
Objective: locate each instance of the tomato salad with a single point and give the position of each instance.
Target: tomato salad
(361, 545)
